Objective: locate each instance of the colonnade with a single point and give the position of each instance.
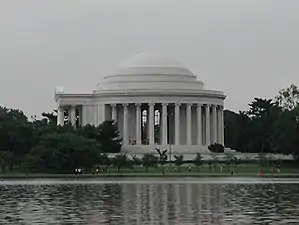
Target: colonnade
(179, 123)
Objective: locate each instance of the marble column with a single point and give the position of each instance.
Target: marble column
(84, 115)
(73, 115)
(60, 116)
(114, 112)
(99, 119)
(151, 124)
(222, 125)
(214, 127)
(125, 127)
(164, 124)
(219, 124)
(208, 124)
(199, 125)
(177, 123)
(95, 115)
(138, 123)
(188, 130)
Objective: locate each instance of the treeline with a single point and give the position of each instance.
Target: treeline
(269, 126)
(41, 146)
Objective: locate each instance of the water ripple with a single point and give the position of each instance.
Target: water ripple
(91, 202)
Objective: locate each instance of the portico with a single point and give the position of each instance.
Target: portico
(154, 101)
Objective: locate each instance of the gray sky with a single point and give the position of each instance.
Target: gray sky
(245, 48)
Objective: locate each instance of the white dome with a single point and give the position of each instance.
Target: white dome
(150, 71)
(152, 60)
(150, 64)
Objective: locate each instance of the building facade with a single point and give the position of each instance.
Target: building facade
(155, 102)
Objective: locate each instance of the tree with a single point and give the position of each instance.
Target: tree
(229, 159)
(288, 98)
(262, 159)
(214, 160)
(216, 148)
(162, 158)
(105, 161)
(109, 137)
(136, 161)
(120, 161)
(149, 160)
(16, 133)
(51, 118)
(6, 160)
(231, 129)
(198, 160)
(263, 114)
(63, 153)
(179, 160)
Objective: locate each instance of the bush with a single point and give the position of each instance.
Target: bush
(216, 148)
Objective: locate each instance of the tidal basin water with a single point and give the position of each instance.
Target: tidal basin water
(150, 201)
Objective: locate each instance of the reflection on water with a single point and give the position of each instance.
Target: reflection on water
(165, 203)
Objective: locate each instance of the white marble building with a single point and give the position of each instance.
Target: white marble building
(144, 91)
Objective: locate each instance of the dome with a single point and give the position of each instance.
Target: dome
(150, 64)
(150, 71)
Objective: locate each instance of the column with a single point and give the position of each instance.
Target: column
(101, 113)
(177, 123)
(60, 116)
(99, 118)
(214, 127)
(164, 124)
(208, 132)
(138, 123)
(199, 125)
(125, 128)
(222, 125)
(188, 132)
(96, 113)
(219, 124)
(73, 115)
(151, 124)
(84, 115)
(114, 112)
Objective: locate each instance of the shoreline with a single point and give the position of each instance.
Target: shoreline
(144, 175)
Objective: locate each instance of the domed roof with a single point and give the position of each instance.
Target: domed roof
(151, 72)
(150, 64)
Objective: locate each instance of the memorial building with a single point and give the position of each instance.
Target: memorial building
(155, 102)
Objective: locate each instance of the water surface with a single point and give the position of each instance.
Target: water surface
(150, 201)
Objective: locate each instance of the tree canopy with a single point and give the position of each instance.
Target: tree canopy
(40, 145)
(269, 126)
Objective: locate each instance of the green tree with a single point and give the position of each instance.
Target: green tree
(216, 148)
(63, 153)
(16, 133)
(162, 158)
(262, 160)
(215, 159)
(263, 114)
(198, 160)
(120, 161)
(229, 159)
(109, 137)
(288, 98)
(179, 160)
(136, 161)
(149, 160)
(6, 160)
(105, 161)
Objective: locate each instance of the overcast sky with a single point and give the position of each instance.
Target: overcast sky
(245, 48)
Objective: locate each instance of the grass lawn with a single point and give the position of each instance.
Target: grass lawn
(250, 170)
